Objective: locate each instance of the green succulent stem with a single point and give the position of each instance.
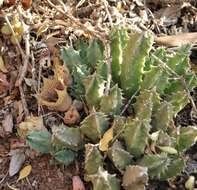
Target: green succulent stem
(182, 80)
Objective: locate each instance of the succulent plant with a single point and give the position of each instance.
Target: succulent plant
(94, 126)
(136, 136)
(146, 144)
(111, 104)
(118, 43)
(143, 106)
(44, 142)
(67, 137)
(65, 156)
(120, 157)
(102, 180)
(162, 166)
(40, 141)
(135, 177)
(94, 91)
(93, 159)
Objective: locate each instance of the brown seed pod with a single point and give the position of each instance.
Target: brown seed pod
(26, 4)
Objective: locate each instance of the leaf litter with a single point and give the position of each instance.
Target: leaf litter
(52, 84)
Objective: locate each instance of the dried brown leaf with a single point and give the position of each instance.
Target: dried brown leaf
(17, 160)
(62, 73)
(61, 79)
(49, 88)
(3, 151)
(107, 137)
(54, 92)
(62, 103)
(51, 42)
(2, 65)
(7, 123)
(4, 84)
(3, 79)
(24, 172)
(43, 28)
(30, 124)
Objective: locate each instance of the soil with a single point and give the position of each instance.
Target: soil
(43, 176)
(46, 175)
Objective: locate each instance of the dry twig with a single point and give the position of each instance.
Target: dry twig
(108, 13)
(4, 178)
(129, 102)
(13, 33)
(92, 32)
(25, 58)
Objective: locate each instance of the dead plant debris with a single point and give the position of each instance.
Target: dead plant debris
(57, 87)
